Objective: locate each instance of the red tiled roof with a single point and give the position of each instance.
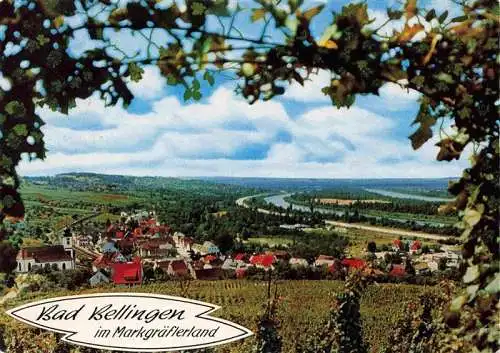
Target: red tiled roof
(49, 253)
(397, 271)
(104, 260)
(152, 244)
(415, 245)
(209, 258)
(240, 257)
(178, 265)
(240, 272)
(263, 260)
(127, 273)
(163, 265)
(353, 263)
(325, 257)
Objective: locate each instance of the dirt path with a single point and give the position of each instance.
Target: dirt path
(394, 231)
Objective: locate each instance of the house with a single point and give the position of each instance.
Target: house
(415, 247)
(422, 268)
(298, 261)
(108, 246)
(209, 258)
(210, 248)
(229, 264)
(155, 248)
(397, 271)
(53, 256)
(182, 243)
(397, 245)
(83, 241)
(127, 273)
(178, 268)
(175, 267)
(98, 278)
(324, 260)
(106, 260)
(241, 272)
(265, 261)
(241, 258)
(280, 255)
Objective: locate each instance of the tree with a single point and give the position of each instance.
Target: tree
(452, 63)
(7, 257)
(372, 247)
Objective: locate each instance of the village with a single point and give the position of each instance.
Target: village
(137, 249)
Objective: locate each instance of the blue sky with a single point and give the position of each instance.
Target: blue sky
(297, 135)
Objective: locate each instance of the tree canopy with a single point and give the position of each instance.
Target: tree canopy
(453, 62)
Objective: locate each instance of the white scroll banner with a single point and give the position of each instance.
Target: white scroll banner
(133, 322)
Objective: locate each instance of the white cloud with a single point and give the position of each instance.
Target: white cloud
(311, 91)
(397, 97)
(202, 139)
(151, 86)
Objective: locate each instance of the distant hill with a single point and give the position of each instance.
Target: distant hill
(108, 182)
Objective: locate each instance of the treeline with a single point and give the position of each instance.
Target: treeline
(356, 217)
(388, 204)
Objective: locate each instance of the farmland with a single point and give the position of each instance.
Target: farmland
(303, 306)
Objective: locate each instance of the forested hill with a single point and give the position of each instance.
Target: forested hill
(106, 182)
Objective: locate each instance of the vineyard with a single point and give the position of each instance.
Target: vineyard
(303, 305)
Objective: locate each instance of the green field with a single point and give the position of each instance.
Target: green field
(271, 241)
(303, 306)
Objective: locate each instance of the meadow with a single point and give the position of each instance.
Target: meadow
(303, 307)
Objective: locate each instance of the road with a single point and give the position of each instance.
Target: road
(393, 231)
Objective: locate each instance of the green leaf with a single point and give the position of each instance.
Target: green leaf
(187, 95)
(58, 21)
(494, 286)
(196, 95)
(21, 130)
(424, 132)
(418, 81)
(196, 85)
(443, 17)
(430, 15)
(42, 40)
(207, 76)
(258, 14)
(248, 69)
(171, 80)
(295, 4)
(15, 108)
(447, 78)
(309, 14)
(135, 72)
(460, 18)
(457, 303)
(394, 14)
(471, 274)
(219, 8)
(198, 8)
(472, 216)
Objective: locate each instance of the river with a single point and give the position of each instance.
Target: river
(279, 200)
